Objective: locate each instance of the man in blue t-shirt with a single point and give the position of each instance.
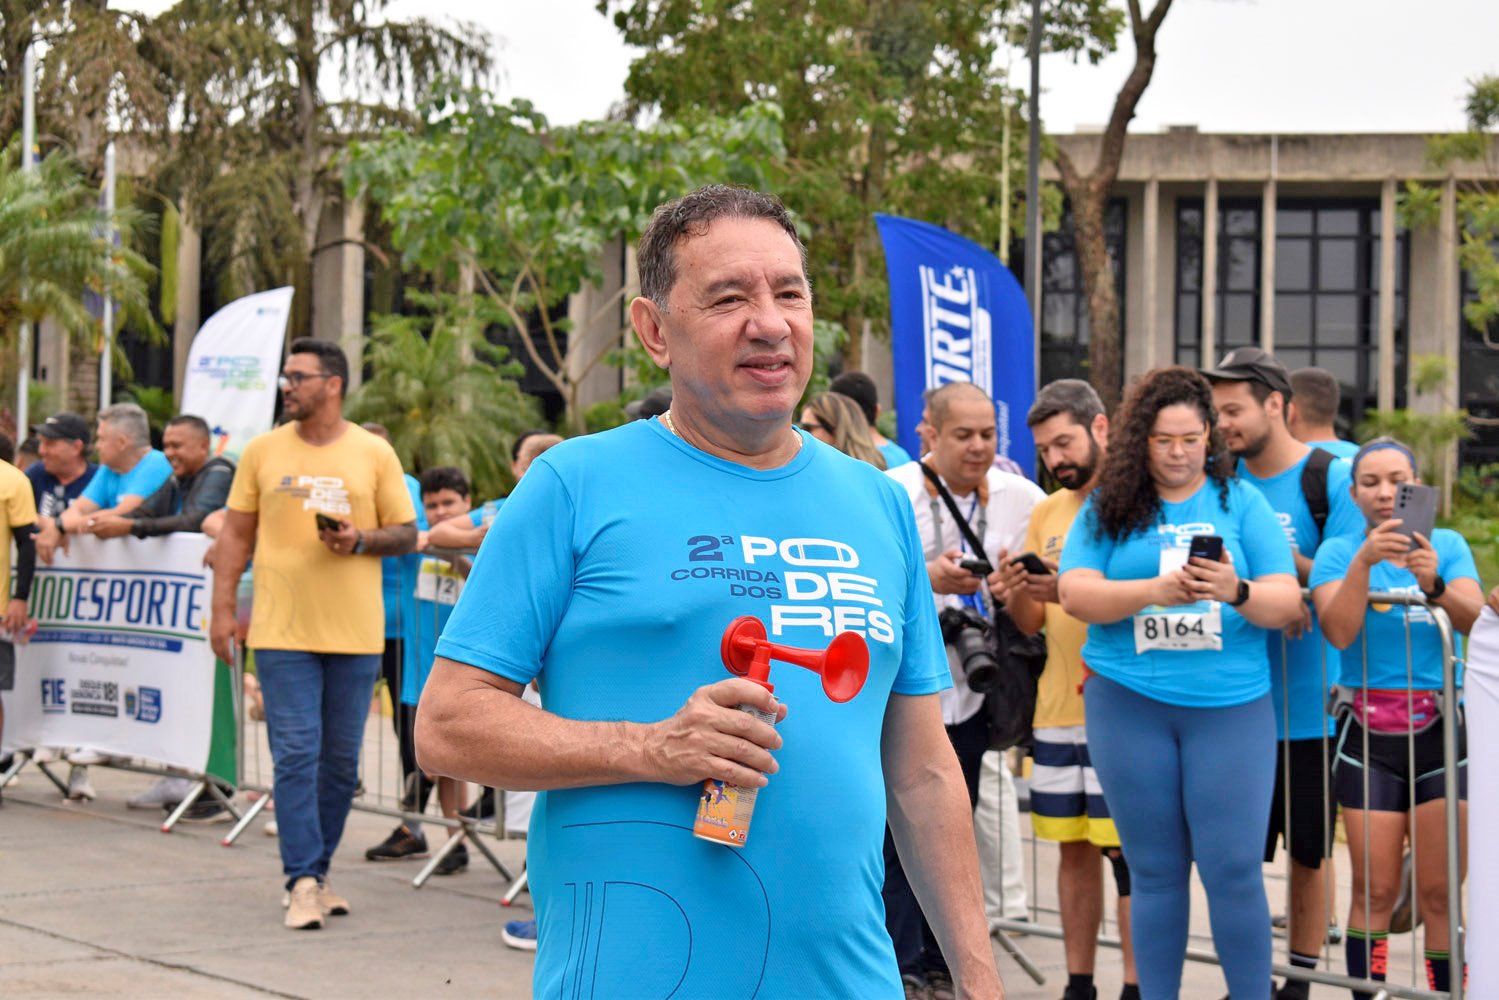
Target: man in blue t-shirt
(1313, 408)
(611, 576)
(130, 470)
(61, 476)
(1251, 391)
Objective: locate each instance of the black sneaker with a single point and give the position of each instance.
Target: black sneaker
(210, 811)
(401, 844)
(453, 862)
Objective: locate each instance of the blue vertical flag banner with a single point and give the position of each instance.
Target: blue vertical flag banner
(958, 315)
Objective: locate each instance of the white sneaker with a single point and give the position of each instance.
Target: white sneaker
(86, 757)
(303, 912)
(44, 755)
(166, 791)
(80, 789)
(270, 829)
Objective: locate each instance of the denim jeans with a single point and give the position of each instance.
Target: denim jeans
(315, 707)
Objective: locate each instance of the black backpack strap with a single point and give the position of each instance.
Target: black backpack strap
(1314, 486)
(957, 515)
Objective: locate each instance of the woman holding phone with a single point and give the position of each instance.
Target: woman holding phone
(1395, 699)
(1180, 726)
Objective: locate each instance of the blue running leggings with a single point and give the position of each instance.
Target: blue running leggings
(1185, 784)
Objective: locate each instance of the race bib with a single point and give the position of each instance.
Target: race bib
(1179, 629)
(438, 582)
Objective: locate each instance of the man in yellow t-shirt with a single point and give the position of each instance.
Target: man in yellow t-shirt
(1071, 432)
(320, 500)
(17, 521)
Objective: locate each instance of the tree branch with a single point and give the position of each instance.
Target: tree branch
(521, 329)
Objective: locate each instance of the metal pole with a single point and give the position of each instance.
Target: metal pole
(28, 142)
(1033, 191)
(106, 359)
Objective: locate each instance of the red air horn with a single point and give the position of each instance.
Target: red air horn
(843, 666)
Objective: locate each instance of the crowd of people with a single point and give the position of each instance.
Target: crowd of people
(1183, 716)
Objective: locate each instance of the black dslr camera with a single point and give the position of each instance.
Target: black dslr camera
(971, 637)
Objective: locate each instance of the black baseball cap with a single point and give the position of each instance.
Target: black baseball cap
(63, 427)
(1250, 364)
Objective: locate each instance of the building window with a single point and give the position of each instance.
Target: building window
(1327, 298)
(1478, 384)
(1237, 295)
(1064, 299)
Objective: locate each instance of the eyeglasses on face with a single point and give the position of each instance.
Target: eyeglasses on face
(291, 380)
(1164, 443)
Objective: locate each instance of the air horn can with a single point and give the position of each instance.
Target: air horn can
(724, 810)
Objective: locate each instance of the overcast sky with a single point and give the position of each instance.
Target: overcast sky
(1224, 65)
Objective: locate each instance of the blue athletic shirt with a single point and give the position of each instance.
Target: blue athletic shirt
(108, 486)
(1305, 669)
(613, 571)
(436, 587)
(1384, 624)
(894, 454)
(1339, 447)
(398, 573)
(1196, 678)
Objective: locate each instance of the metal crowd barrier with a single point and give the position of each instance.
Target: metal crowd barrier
(1378, 989)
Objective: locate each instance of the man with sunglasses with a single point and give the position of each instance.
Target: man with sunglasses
(319, 500)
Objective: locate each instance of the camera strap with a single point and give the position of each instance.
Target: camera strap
(957, 515)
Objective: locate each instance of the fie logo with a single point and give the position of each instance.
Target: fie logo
(54, 696)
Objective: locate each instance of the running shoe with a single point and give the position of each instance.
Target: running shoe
(166, 792)
(520, 934)
(453, 862)
(401, 844)
(80, 789)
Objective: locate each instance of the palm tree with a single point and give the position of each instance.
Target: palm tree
(446, 395)
(53, 250)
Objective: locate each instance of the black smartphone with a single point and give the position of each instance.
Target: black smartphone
(978, 567)
(326, 523)
(1209, 547)
(1032, 564)
(1416, 506)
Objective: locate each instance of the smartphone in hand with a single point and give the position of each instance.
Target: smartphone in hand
(1209, 547)
(1416, 506)
(978, 567)
(1032, 563)
(326, 523)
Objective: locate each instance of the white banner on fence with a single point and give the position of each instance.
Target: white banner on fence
(120, 661)
(1481, 692)
(230, 380)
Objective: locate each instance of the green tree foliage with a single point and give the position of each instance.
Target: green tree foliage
(895, 106)
(447, 396)
(1431, 432)
(52, 250)
(491, 192)
(265, 94)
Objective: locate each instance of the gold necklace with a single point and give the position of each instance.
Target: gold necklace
(666, 419)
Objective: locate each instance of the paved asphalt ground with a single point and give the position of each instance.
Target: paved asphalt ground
(95, 901)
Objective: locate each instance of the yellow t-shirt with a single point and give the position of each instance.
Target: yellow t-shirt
(1058, 700)
(19, 504)
(306, 597)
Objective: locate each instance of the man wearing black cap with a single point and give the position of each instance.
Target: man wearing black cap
(61, 476)
(1309, 492)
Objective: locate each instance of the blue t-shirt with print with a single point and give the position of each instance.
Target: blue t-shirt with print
(1338, 447)
(51, 495)
(1200, 677)
(1304, 664)
(435, 586)
(1384, 631)
(398, 574)
(616, 566)
(108, 486)
(894, 454)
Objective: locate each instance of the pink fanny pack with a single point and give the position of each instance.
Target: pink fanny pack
(1395, 711)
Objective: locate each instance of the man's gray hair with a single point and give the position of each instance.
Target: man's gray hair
(1072, 396)
(130, 420)
(691, 215)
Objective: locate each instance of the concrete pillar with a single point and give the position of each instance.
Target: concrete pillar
(1149, 285)
(338, 282)
(1267, 265)
(1210, 273)
(597, 315)
(189, 294)
(1386, 353)
(1449, 318)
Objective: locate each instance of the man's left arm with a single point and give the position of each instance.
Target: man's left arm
(208, 493)
(931, 820)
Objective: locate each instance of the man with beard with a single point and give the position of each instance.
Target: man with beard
(1251, 391)
(1071, 431)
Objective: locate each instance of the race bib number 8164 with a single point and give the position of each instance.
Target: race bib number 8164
(1179, 630)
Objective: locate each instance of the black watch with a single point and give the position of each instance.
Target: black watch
(1241, 596)
(1437, 590)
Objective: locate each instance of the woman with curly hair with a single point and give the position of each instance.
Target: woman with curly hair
(1180, 725)
(835, 419)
